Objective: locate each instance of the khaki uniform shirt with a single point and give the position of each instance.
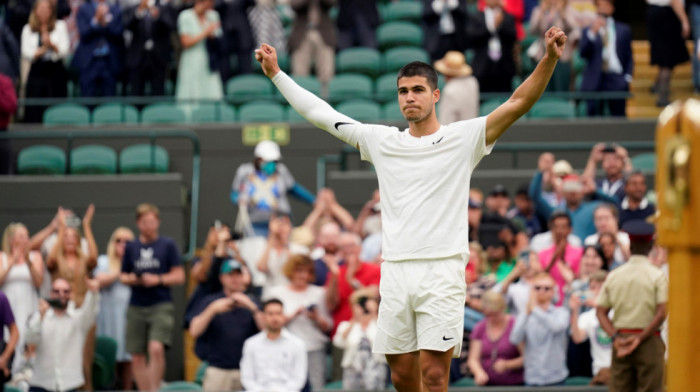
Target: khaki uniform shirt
(634, 291)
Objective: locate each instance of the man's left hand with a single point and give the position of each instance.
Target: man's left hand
(626, 345)
(150, 280)
(555, 40)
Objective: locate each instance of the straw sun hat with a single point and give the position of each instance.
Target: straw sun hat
(453, 64)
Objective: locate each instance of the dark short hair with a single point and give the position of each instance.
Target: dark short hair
(419, 68)
(636, 172)
(271, 301)
(560, 214)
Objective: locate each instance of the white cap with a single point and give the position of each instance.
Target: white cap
(562, 168)
(267, 150)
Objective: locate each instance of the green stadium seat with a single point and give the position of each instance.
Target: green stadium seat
(489, 106)
(364, 61)
(143, 158)
(162, 113)
(552, 108)
(294, 117)
(464, 382)
(392, 112)
(349, 86)
(410, 11)
(334, 385)
(282, 61)
(645, 162)
(396, 58)
(105, 363)
(250, 87)
(11, 388)
(41, 159)
(577, 381)
(115, 113)
(310, 83)
(67, 114)
(213, 113)
(178, 386)
(360, 110)
(261, 111)
(395, 34)
(93, 159)
(385, 87)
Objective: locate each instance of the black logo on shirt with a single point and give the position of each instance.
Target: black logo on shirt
(443, 337)
(339, 124)
(439, 140)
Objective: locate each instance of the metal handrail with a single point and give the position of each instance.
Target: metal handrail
(513, 147)
(152, 135)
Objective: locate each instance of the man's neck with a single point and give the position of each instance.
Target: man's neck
(544, 305)
(274, 335)
(425, 127)
(573, 206)
(633, 204)
(614, 177)
(148, 239)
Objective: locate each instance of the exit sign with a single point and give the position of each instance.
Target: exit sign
(255, 133)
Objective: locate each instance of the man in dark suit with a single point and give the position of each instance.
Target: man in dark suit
(98, 57)
(444, 25)
(357, 21)
(148, 56)
(238, 37)
(492, 34)
(607, 45)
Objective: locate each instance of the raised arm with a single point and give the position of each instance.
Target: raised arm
(92, 245)
(309, 106)
(529, 91)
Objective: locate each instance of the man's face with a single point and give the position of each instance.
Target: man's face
(560, 229)
(604, 220)
(60, 289)
(591, 261)
(523, 204)
(573, 197)
(636, 187)
(496, 253)
(328, 237)
(605, 7)
(273, 317)
(148, 224)
(416, 98)
(349, 248)
(232, 281)
(544, 289)
(612, 164)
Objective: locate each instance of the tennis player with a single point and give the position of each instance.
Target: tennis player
(423, 173)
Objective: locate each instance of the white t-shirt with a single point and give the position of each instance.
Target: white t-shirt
(601, 343)
(424, 182)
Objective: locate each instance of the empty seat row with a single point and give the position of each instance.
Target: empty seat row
(552, 108)
(93, 159)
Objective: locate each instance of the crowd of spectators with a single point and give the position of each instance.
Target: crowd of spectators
(200, 44)
(271, 305)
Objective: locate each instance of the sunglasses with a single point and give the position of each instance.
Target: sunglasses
(543, 288)
(56, 291)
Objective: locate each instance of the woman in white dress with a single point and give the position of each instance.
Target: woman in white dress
(21, 275)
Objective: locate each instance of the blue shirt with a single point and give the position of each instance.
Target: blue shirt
(159, 258)
(224, 337)
(546, 339)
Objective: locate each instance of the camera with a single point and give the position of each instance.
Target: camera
(362, 301)
(56, 303)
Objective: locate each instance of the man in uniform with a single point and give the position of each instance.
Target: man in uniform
(637, 292)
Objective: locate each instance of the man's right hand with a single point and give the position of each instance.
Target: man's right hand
(43, 307)
(267, 56)
(223, 305)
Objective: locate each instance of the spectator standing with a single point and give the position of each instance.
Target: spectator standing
(8, 106)
(260, 188)
(562, 259)
(327, 208)
(362, 370)
(238, 36)
(591, 263)
(99, 56)
(114, 301)
(493, 359)
(637, 292)
(369, 221)
(499, 261)
(543, 329)
(517, 286)
(275, 254)
(615, 163)
(459, 99)
(605, 219)
(45, 45)
(9, 52)
(151, 264)
(444, 24)
(147, 58)
(197, 77)
(585, 326)
(607, 47)
(266, 23)
(668, 28)
(59, 332)
(273, 360)
(635, 205)
(21, 275)
(357, 22)
(313, 39)
(514, 8)
(492, 34)
(553, 13)
(306, 313)
(329, 245)
(7, 347)
(68, 261)
(224, 321)
(523, 214)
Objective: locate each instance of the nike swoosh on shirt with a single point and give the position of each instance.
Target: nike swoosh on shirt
(439, 140)
(446, 339)
(339, 124)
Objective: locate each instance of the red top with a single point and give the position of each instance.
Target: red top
(516, 9)
(367, 274)
(8, 100)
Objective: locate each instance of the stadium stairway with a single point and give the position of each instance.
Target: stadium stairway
(643, 102)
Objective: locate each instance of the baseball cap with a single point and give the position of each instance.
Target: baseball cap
(499, 190)
(230, 265)
(267, 150)
(562, 167)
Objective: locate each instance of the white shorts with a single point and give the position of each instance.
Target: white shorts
(422, 306)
